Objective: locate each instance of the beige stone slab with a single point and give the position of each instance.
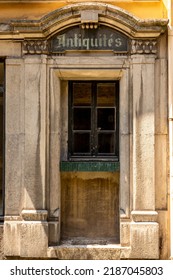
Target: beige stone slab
(143, 134)
(34, 215)
(88, 252)
(12, 218)
(143, 173)
(89, 74)
(124, 98)
(14, 135)
(164, 234)
(55, 102)
(161, 97)
(161, 171)
(54, 172)
(143, 99)
(12, 238)
(54, 141)
(124, 176)
(34, 177)
(10, 48)
(125, 253)
(2, 242)
(54, 233)
(170, 72)
(33, 240)
(144, 240)
(14, 100)
(162, 46)
(124, 233)
(94, 62)
(35, 132)
(130, 92)
(144, 216)
(64, 120)
(131, 172)
(143, 59)
(32, 98)
(170, 92)
(13, 174)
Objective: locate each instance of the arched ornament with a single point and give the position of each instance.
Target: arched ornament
(40, 36)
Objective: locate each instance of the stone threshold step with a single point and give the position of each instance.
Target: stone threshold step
(88, 252)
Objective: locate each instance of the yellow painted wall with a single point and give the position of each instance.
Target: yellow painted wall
(148, 10)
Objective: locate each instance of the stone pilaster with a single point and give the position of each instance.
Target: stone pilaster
(14, 136)
(124, 145)
(54, 158)
(14, 148)
(144, 230)
(25, 216)
(125, 97)
(143, 133)
(35, 132)
(34, 215)
(170, 91)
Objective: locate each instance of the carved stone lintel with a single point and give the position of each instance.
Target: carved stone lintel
(143, 47)
(35, 47)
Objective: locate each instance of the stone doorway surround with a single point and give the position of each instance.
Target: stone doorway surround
(34, 121)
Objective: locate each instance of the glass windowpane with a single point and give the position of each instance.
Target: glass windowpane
(105, 94)
(81, 94)
(82, 118)
(106, 143)
(81, 142)
(106, 119)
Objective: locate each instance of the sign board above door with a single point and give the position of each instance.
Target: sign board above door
(102, 38)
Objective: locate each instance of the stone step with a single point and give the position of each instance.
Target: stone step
(88, 252)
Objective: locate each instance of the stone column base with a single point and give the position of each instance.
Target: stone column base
(144, 240)
(26, 236)
(12, 236)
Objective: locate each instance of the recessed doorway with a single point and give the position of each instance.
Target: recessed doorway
(90, 198)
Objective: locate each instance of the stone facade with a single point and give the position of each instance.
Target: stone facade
(37, 188)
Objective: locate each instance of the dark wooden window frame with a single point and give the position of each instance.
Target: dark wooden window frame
(93, 154)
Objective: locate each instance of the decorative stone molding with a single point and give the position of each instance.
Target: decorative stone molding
(89, 19)
(144, 216)
(34, 215)
(136, 47)
(143, 47)
(89, 25)
(35, 47)
(12, 218)
(70, 15)
(88, 16)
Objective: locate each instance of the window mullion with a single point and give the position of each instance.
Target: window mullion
(94, 118)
